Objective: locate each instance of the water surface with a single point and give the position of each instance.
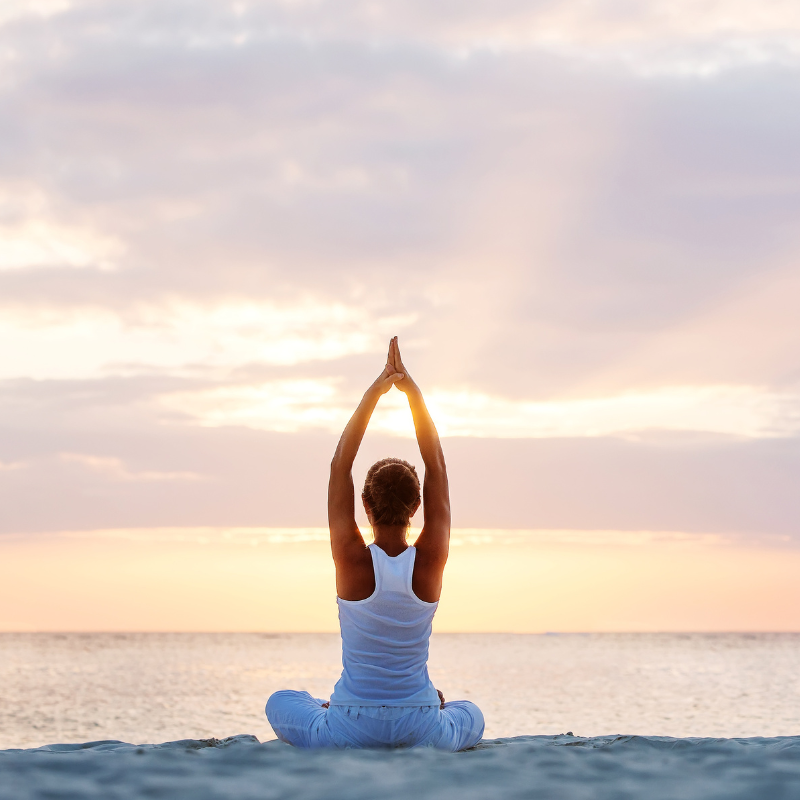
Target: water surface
(152, 687)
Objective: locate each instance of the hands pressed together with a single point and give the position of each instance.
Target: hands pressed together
(394, 373)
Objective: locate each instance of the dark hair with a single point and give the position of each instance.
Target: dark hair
(391, 490)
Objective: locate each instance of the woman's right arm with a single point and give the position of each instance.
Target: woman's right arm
(434, 541)
(347, 544)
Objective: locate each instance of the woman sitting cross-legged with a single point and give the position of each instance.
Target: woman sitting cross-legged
(387, 594)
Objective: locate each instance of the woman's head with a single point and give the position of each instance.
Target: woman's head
(391, 492)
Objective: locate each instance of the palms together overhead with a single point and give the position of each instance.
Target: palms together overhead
(394, 373)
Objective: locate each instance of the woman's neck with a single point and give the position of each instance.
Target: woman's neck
(391, 539)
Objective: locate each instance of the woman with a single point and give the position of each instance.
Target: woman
(387, 594)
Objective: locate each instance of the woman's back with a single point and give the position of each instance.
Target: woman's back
(387, 594)
(385, 639)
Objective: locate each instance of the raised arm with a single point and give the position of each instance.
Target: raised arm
(347, 543)
(433, 542)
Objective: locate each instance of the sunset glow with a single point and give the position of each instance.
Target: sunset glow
(580, 220)
(285, 405)
(282, 580)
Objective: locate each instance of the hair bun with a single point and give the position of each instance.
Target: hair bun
(391, 490)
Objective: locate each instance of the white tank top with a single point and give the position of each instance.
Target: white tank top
(385, 640)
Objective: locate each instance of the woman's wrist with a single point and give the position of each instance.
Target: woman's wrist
(373, 394)
(412, 390)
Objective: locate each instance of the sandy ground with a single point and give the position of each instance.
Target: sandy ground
(551, 767)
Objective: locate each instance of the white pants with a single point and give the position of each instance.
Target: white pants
(299, 719)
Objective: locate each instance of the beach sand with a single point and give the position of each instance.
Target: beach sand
(547, 767)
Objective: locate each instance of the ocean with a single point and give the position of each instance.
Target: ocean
(156, 687)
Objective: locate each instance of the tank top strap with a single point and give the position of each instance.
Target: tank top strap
(393, 574)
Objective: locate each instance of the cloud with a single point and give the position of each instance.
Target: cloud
(581, 219)
(33, 238)
(15, 9)
(115, 469)
(37, 244)
(717, 34)
(701, 484)
(179, 336)
(302, 404)
(582, 214)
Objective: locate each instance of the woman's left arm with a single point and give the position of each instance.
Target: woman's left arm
(346, 540)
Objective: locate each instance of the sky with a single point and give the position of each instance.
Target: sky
(580, 218)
